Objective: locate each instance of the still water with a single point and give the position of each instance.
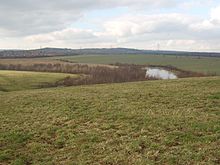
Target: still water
(160, 73)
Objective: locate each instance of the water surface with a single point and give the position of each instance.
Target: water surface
(160, 73)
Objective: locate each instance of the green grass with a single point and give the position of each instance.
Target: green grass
(153, 122)
(203, 65)
(21, 80)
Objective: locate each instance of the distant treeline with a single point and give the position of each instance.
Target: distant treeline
(50, 52)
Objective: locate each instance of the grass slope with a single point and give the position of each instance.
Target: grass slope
(154, 122)
(203, 64)
(20, 80)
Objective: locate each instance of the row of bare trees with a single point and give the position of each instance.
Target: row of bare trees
(95, 74)
(90, 74)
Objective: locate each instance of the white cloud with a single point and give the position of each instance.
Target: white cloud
(172, 30)
(140, 24)
(26, 17)
(215, 14)
(50, 23)
(208, 28)
(73, 34)
(72, 37)
(191, 4)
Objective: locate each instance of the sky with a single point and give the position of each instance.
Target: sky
(192, 25)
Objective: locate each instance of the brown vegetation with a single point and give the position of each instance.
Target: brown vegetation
(100, 74)
(95, 74)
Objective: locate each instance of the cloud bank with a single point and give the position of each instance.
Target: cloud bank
(141, 24)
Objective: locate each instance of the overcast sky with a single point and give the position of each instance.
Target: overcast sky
(192, 25)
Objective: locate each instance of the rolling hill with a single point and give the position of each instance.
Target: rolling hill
(48, 52)
(153, 122)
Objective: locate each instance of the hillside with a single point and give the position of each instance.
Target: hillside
(20, 80)
(153, 122)
(51, 52)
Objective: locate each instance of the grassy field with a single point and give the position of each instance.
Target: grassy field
(28, 61)
(203, 65)
(153, 122)
(20, 80)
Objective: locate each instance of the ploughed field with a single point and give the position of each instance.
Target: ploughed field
(152, 122)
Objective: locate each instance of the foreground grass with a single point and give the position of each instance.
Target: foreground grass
(20, 80)
(154, 122)
(203, 65)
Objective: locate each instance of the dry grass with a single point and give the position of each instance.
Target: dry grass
(153, 122)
